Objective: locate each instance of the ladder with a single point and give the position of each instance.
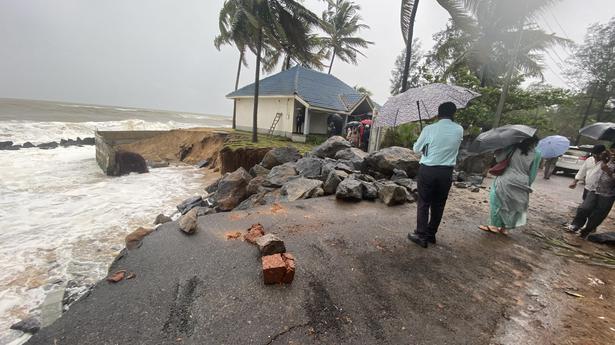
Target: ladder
(276, 120)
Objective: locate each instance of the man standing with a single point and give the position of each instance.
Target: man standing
(598, 203)
(439, 146)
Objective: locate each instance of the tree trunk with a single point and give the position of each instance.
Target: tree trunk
(286, 62)
(586, 115)
(236, 87)
(332, 59)
(498, 112)
(404, 79)
(259, 46)
(483, 76)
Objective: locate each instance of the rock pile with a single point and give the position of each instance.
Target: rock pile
(9, 145)
(332, 168)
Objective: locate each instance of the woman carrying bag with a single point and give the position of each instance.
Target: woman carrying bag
(516, 169)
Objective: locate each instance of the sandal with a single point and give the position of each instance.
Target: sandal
(489, 228)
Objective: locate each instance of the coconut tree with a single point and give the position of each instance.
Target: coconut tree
(274, 21)
(285, 53)
(341, 23)
(234, 30)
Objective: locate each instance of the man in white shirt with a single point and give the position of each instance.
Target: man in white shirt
(589, 172)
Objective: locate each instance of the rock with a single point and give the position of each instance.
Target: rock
(157, 164)
(233, 189)
(462, 185)
(331, 183)
(279, 156)
(161, 219)
(388, 159)
(346, 168)
(47, 146)
(213, 187)
(255, 185)
(89, 141)
(133, 240)
(391, 193)
(475, 180)
(190, 203)
(474, 164)
(202, 164)
(264, 197)
(411, 197)
(330, 147)
(317, 193)
(353, 155)
(301, 188)
(30, 325)
(278, 268)
(128, 162)
(259, 170)
(398, 174)
(188, 222)
(5, 145)
(204, 211)
(254, 233)
(350, 190)
(364, 177)
(370, 192)
(475, 189)
(309, 167)
(408, 183)
(280, 174)
(25, 145)
(270, 244)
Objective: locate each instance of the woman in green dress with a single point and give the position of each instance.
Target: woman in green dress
(510, 193)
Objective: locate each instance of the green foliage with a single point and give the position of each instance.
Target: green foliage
(403, 135)
(416, 70)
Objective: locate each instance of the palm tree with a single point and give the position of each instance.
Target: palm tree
(341, 22)
(274, 21)
(235, 30)
(288, 54)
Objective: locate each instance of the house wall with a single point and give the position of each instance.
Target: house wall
(318, 122)
(267, 108)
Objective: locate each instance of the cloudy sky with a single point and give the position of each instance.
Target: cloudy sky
(159, 53)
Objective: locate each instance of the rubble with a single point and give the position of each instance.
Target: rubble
(270, 244)
(188, 222)
(278, 269)
(254, 232)
(133, 240)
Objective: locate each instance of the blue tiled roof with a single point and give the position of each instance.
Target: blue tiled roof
(316, 88)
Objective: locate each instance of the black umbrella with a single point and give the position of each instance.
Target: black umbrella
(501, 137)
(337, 121)
(599, 131)
(353, 124)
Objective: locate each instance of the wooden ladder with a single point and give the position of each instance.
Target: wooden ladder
(276, 120)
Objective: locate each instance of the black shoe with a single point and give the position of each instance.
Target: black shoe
(418, 240)
(431, 240)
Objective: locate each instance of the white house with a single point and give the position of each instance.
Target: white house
(298, 91)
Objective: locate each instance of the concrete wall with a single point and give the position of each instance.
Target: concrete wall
(318, 122)
(267, 108)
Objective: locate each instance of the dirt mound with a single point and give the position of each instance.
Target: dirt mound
(181, 145)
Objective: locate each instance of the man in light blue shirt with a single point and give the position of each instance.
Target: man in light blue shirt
(438, 145)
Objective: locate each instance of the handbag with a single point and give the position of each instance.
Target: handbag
(500, 168)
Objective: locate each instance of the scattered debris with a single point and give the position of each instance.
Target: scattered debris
(232, 235)
(133, 240)
(131, 275)
(278, 268)
(594, 281)
(574, 294)
(117, 276)
(254, 232)
(188, 222)
(270, 244)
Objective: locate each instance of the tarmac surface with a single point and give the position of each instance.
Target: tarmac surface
(358, 281)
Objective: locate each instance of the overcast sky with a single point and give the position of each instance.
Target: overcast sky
(159, 53)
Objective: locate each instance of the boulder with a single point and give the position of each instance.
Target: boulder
(190, 203)
(47, 146)
(279, 156)
(391, 193)
(388, 159)
(301, 188)
(188, 222)
(5, 145)
(280, 174)
(213, 187)
(261, 198)
(330, 147)
(270, 244)
(474, 164)
(204, 211)
(26, 145)
(233, 189)
(364, 177)
(343, 166)
(254, 233)
(398, 174)
(202, 164)
(133, 240)
(331, 183)
(407, 183)
(350, 190)
(128, 162)
(353, 155)
(30, 325)
(370, 192)
(89, 141)
(255, 185)
(259, 170)
(310, 167)
(161, 219)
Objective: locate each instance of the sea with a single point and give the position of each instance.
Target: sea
(62, 221)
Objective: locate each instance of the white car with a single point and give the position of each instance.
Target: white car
(573, 159)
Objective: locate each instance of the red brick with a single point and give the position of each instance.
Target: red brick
(274, 269)
(289, 262)
(255, 231)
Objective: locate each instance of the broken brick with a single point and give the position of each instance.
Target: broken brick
(232, 235)
(117, 276)
(255, 231)
(278, 269)
(133, 240)
(270, 244)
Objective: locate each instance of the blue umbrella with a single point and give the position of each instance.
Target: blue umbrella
(553, 146)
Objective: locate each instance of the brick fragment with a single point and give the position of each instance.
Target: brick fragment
(278, 268)
(255, 231)
(270, 244)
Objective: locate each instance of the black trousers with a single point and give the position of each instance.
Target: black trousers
(434, 183)
(594, 209)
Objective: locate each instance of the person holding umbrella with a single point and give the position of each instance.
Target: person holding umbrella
(590, 171)
(551, 148)
(516, 169)
(439, 145)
